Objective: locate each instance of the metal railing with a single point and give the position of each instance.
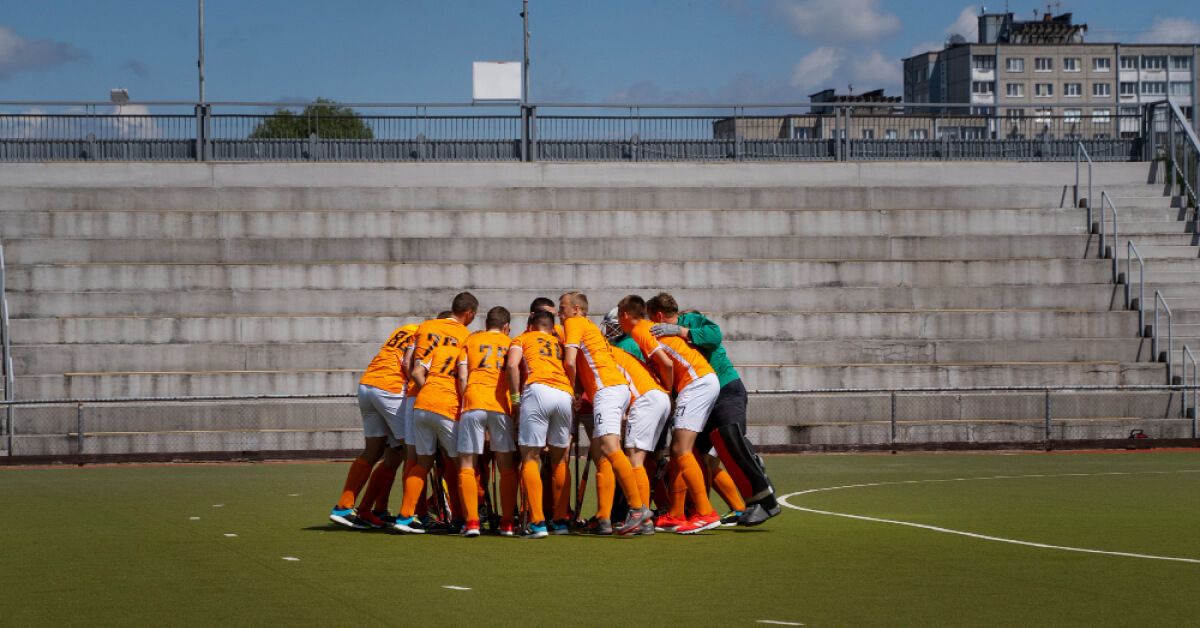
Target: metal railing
(804, 131)
(1165, 356)
(1186, 411)
(6, 355)
(1171, 137)
(1081, 153)
(1131, 252)
(1108, 251)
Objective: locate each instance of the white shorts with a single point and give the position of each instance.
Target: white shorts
(546, 415)
(407, 410)
(695, 402)
(431, 429)
(647, 417)
(381, 414)
(608, 408)
(468, 434)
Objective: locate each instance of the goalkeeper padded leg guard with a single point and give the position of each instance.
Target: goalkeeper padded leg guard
(744, 466)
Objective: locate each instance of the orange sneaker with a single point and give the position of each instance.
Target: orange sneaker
(666, 523)
(700, 523)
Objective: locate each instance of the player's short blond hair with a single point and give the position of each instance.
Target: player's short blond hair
(576, 298)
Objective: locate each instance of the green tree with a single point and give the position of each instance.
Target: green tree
(325, 118)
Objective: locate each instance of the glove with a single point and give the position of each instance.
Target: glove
(666, 329)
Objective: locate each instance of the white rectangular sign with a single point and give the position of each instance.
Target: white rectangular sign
(496, 80)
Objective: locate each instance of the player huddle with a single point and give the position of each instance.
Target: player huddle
(440, 398)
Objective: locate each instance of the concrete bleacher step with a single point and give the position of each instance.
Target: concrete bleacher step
(493, 223)
(608, 274)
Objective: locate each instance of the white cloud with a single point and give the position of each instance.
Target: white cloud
(18, 54)
(1172, 30)
(967, 24)
(838, 68)
(130, 122)
(839, 20)
(874, 70)
(925, 46)
(814, 69)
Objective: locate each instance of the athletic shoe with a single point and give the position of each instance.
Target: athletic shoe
(409, 525)
(757, 514)
(667, 523)
(384, 516)
(441, 527)
(471, 528)
(597, 526)
(633, 522)
(647, 528)
(369, 519)
(536, 531)
(700, 523)
(507, 528)
(560, 527)
(730, 519)
(345, 517)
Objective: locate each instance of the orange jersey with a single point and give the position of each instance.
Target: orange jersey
(689, 364)
(595, 364)
(386, 371)
(543, 356)
(440, 392)
(434, 333)
(487, 386)
(637, 375)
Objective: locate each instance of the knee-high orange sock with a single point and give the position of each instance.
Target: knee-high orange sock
(508, 494)
(643, 483)
(470, 494)
(727, 489)
(606, 488)
(624, 472)
(360, 469)
(381, 478)
(678, 488)
(562, 492)
(694, 479)
(414, 489)
(531, 481)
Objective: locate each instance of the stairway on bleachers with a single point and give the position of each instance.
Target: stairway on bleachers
(162, 282)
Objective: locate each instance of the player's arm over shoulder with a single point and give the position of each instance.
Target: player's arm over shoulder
(702, 332)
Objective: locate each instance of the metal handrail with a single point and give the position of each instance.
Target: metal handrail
(1104, 252)
(1130, 253)
(6, 355)
(1080, 151)
(1159, 298)
(1184, 356)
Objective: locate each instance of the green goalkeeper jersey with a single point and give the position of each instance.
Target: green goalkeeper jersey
(706, 335)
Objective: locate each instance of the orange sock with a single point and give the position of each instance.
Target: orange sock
(453, 492)
(382, 477)
(624, 472)
(562, 492)
(531, 481)
(508, 494)
(694, 479)
(414, 488)
(643, 482)
(470, 494)
(678, 488)
(728, 491)
(606, 488)
(357, 476)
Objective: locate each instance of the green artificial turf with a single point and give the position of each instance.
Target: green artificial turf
(117, 545)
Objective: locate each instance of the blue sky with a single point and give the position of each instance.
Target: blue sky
(583, 51)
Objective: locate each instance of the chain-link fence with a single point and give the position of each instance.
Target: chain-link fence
(778, 421)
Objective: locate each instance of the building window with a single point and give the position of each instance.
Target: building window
(1100, 136)
(1154, 88)
(1015, 64)
(1071, 64)
(1179, 88)
(1101, 90)
(1043, 90)
(918, 134)
(983, 63)
(1101, 116)
(802, 133)
(1154, 63)
(1043, 64)
(1129, 63)
(982, 88)
(1129, 112)
(1181, 63)
(868, 134)
(1072, 115)
(1129, 89)
(1042, 114)
(1014, 90)
(891, 134)
(1101, 64)
(1016, 114)
(1072, 90)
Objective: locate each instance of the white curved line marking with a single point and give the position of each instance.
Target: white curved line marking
(986, 537)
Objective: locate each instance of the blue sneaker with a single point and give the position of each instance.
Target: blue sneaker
(345, 517)
(536, 531)
(409, 525)
(560, 527)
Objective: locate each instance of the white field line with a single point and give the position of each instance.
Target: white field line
(777, 623)
(454, 587)
(784, 500)
(291, 559)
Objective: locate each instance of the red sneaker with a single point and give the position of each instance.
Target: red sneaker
(507, 528)
(666, 523)
(369, 518)
(700, 523)
(471, 528)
